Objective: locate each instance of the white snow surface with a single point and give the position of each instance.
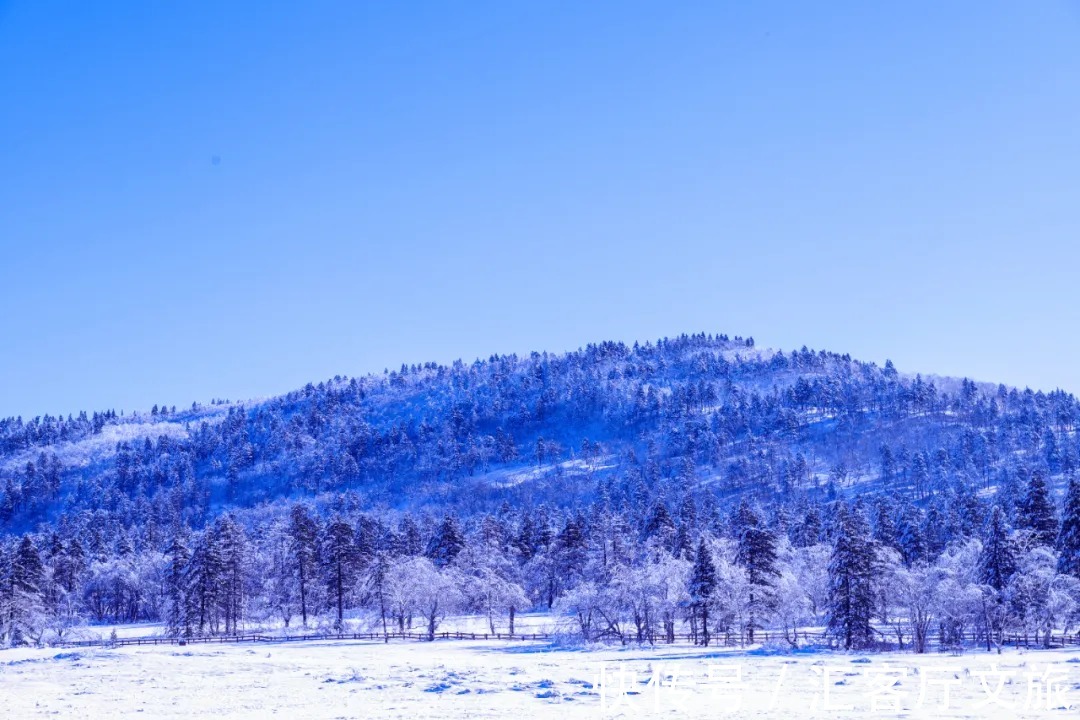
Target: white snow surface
(464, 679)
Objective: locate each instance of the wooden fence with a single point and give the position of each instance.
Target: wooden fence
(334, 637)
(728, 640)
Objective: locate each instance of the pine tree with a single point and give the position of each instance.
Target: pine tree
(341, 559)
(370, 537)
(571, 555)
(203, 584)
(303, 545)
(888, 466)
(681, 545)
(411, 539)
(756, 553)
(660, 525)
(885, 531)
(375, 575)
(852, 569)
(232, 546)
(26, 577)
(1036, 511)
(1069, 538)
(810, 528)
(177, 616)
(447, 542)
(998, 561)
(909, 535)
(702, 586)
(525, 542)
(75, 566)
(7, 557)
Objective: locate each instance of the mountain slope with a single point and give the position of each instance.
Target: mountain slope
(702, 413)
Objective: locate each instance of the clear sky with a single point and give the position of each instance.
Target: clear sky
(231, 199)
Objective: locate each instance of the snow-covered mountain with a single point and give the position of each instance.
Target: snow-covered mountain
(708, 414)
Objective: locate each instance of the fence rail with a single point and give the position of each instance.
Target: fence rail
(719, 640)
(259, 638)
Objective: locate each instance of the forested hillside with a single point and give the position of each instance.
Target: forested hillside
(696, 480)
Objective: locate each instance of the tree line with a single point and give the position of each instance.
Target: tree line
(859, 568)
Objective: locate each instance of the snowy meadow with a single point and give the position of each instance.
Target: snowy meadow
(498, 680)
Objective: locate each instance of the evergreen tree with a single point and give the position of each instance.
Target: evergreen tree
(910, 537)
(756, 553)
(369, 539)
(660, 525)
(702, 587)
(27, 579)
(341, 559)
(998, 561)
(6, 592)
(1069, 538)
(177, 615)
(682, 547)
(852, 569)
(888, 465)
(447, 542)
(525, 542)
(203, 583)
(232, 545)
(885, 531)
(809, 532)
(1036, 511)
(303, 544)
(571, 547)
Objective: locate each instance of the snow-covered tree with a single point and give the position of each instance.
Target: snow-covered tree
(703, 582)
(178, 617)
(416, 588)
(852, 570)
(1069, 538)
(756, 554)
(998, 561)
(1036, 511)
(1041, 598)
(492, 582)
(341, 563)
(303, 539)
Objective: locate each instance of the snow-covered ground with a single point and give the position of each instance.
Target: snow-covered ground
(526, 680)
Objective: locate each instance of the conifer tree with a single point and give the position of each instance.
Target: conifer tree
(412, 540)
(910, 537)
(203, 584)
(6, 592)
(303, 545)
(660, 525)
(177, 616)
(998, 561)
(885, 532)
(852, 569)
(702, 586)
(447, 542)
(232, 546)
(756, 553)
(341, 559)
(1036, 511)
(1069, 538)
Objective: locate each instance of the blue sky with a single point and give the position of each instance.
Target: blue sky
(205, 200)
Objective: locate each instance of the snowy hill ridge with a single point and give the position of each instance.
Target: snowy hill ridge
(715, 409)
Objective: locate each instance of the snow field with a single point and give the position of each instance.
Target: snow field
(527, 680)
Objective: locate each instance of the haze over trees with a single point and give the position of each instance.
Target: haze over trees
(696, 485)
